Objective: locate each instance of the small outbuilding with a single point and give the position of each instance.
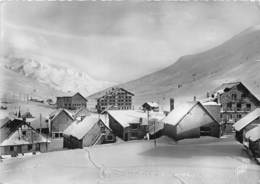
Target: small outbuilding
(245, 124)
(87, 132)
(150, 106)
(253, 136)
(190, 120)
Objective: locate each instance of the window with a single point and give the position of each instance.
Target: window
(109, 137)
(11, 148)
(234, 96)
(24, 133)
(229, 106)
(243, 95)
(248, 106)
(239, 116)
(29, 147)
(239, 106)
(56, 135)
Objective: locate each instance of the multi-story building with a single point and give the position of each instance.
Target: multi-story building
(236, 101)
(116, 98)
(76, 101)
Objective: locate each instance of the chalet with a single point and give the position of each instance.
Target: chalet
(236, 101)
(190, 120)
(253, 136)
(245, 124)
(59, 121)
(19, 137)
(116, 98)
(128, 124)
(76, 101)
(87, 132)
(150, 106)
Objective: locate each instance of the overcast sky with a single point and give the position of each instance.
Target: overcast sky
(120, 41)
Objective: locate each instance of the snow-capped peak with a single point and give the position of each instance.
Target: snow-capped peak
(60, 78)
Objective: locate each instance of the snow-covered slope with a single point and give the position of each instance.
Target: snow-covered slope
(238, 59)
(195, 161)
(60, 78)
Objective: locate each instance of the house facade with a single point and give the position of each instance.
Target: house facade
(76, 101)
(18, 137)
(236, 101)
(190, 120)
(150, 106)
(87, 132)
(116, 98)
(59, 121)
(128, 124)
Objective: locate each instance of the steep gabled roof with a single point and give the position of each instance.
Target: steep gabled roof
(179, 112)
(81, 96)
(230, 85)
(247, 119)
(253, 134)
(54, 114)
(79, 128)
(152, 104)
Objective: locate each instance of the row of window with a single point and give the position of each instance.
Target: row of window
(234, 96)
(238, 106)
(29, 147)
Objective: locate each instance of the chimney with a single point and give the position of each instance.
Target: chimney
(171, 104)
(194, 98)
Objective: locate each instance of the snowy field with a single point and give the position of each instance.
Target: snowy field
(196, 161)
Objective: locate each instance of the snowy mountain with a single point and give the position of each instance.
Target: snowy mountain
(62, 79)
(237, 59)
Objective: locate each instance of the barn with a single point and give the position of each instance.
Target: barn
(190, 120)
(245, 124)
(87, 132)
(59, 121)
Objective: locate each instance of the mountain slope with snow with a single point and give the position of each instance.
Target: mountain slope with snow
(59, 78)
(238, 59)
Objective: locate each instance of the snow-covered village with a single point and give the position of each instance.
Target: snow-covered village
(130, 92)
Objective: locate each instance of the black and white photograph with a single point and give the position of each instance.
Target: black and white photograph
(130, 92)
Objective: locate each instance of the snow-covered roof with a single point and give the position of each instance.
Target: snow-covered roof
(152, 104)
(38, 122)
(178, 113)
(17, 139)
(239, 125)
(254, 133)
(79, 129)
(54, 114)
(210, 103)
(126, 117)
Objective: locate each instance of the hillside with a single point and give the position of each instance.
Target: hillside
(194, 75)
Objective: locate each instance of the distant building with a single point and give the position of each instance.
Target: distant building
(18, 137)
(245, 124)
(76, 101)
(128, 124)
(59, 121)
(150, 106)
(236, 101)
(116, 98)
(87, 132)
(190, 120)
